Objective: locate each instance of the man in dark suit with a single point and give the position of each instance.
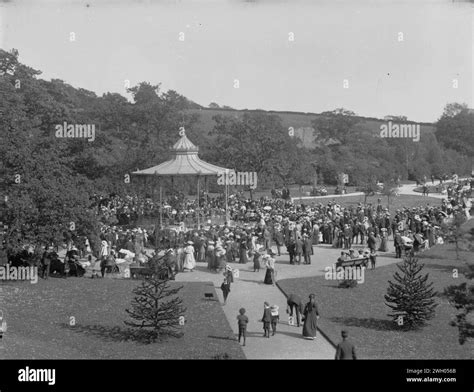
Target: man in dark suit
(345, 349)
(266, 319)
(371, 241)
(294, 303)
(397, 241)
(291, 250)
(307, 248)
(46, 263)
(279, 239)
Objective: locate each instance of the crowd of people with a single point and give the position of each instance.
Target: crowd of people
(259, 230)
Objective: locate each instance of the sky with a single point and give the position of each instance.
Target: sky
(397, 57)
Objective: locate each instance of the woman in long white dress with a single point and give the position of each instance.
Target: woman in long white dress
(189, 260)
(104, 249)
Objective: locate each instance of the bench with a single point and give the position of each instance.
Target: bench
(141, 272)
(355, 263)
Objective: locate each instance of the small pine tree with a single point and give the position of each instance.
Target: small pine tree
(462, 298)
(154, 315)
(411, 298)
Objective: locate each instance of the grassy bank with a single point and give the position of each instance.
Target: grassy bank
(39, 315)
(362, 312)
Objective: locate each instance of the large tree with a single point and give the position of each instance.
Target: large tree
(45, 197)
(455, 128)
(335, 124)
(256, 142)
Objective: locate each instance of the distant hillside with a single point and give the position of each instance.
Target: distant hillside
(301, 122)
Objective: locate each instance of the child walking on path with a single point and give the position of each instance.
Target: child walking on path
(275, 318)
(243, 320)
(266, 319)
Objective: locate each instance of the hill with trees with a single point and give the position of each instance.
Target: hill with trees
(46, 182)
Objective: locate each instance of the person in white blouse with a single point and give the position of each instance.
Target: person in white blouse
(189, 260)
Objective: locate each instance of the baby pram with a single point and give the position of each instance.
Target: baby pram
(407, 244)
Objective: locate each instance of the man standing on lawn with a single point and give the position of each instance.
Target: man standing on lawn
(345, 349)
(371, 241)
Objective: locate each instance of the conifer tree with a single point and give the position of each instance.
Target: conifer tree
(156, 309)
(410, 297)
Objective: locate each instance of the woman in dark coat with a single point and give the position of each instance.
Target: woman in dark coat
(311, 315)
(243, 251)
(257, 259)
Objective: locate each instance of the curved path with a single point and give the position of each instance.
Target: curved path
(404, 189)
(250, 292)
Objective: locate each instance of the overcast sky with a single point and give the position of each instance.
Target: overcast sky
(224, 40)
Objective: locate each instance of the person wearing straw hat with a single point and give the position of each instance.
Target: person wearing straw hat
(275, 318)
(383, 241)
(270, 265)
(229, 274)
(210, 256)
(243, 259)
(220, 258)
(225, 287)
(257, 260)
(189, 260)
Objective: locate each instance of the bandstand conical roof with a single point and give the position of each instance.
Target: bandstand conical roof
(185, 162)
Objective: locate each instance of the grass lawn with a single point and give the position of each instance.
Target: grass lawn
(398, 202)
(362, 312)
(38, 317)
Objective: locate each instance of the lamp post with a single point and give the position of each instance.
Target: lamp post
(226, 195)
(198, 209)
(161, 207)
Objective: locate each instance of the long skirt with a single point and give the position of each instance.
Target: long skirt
(256, 262)
(316, 238)
(189, 262)
(243, 256)
(269, 276)
(180, 261)
(211, 261)
(383, 245)
(310, 326)
(221, 262)
(202, 254)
